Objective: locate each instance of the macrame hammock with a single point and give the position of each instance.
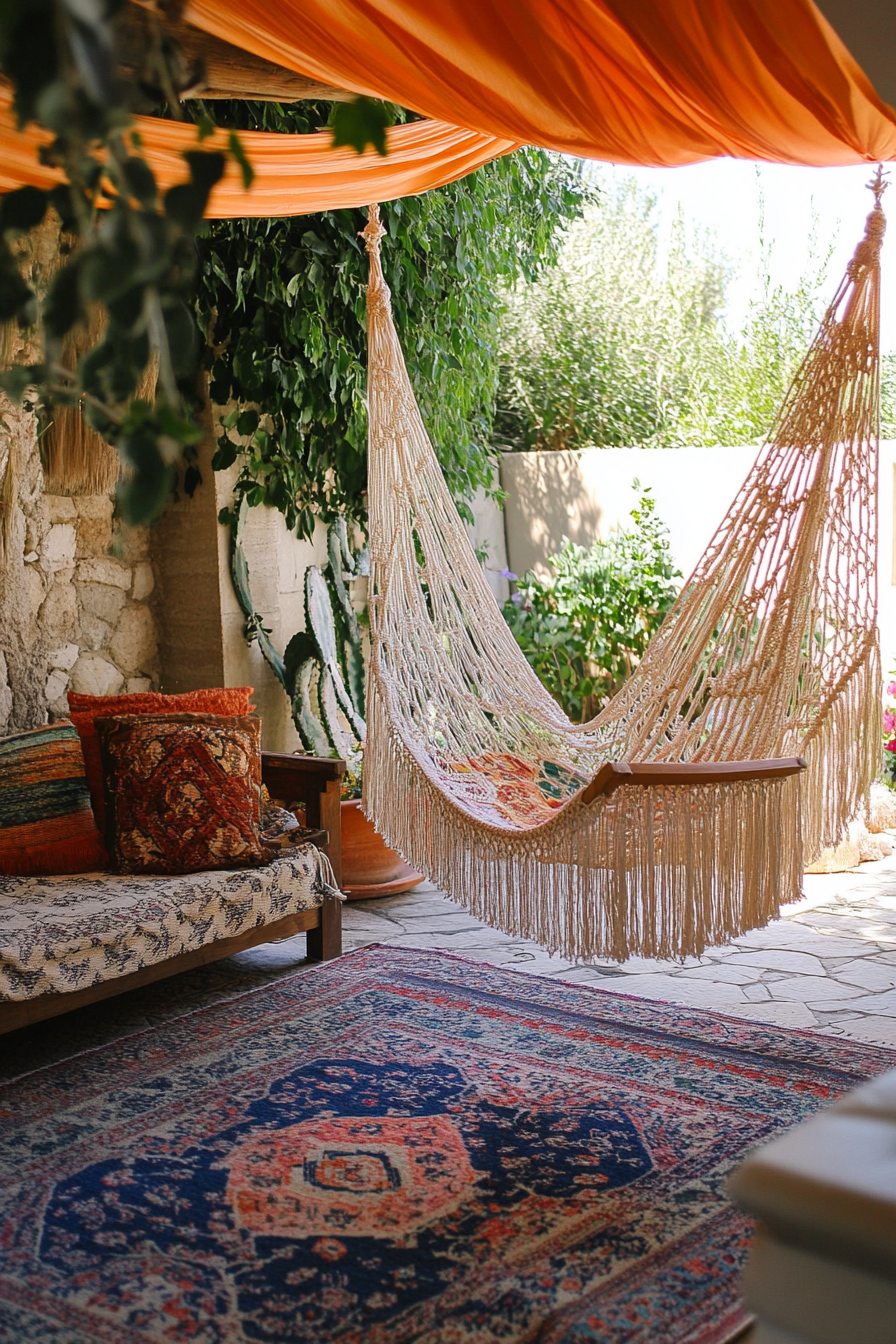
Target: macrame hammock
(677, 818)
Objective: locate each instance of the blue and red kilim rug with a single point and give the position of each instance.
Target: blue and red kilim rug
(399, 1146)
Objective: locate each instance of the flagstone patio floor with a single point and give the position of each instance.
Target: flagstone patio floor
(829, 965)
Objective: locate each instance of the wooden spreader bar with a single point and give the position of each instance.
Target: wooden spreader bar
(613, 774)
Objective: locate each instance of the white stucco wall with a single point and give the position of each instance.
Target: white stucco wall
(586, 494)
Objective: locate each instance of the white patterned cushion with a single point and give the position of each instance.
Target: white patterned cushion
(60, 934)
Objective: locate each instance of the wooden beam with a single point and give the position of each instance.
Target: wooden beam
(221, 69)
(614, 774)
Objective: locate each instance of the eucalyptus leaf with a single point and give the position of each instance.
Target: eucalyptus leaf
(16, 381)
(235, 145)
(140, 180)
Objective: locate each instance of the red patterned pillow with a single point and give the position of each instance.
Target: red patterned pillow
(183, 792)
(86, 709)
(46, 825)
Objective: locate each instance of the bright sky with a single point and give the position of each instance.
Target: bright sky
(724, 196)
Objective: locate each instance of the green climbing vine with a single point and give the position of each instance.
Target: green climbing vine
(282, 305)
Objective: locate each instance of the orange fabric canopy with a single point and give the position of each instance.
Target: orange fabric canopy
(658, 82)
(294, 174)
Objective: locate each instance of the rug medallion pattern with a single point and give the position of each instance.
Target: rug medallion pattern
(399, 1146)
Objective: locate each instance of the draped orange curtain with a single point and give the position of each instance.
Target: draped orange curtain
(294, 174)
(658, 82)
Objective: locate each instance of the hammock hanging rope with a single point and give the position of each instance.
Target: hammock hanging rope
(676, 819)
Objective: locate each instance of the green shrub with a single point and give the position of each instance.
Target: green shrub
(619, 345)
(888, 396)
(585, 626)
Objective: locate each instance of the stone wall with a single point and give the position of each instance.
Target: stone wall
(74, 611)
(75, 588)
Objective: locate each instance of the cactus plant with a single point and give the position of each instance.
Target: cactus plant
(322, 669)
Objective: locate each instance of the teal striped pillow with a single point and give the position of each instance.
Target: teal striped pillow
(46, 821)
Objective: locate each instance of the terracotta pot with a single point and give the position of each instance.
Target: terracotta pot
(369, 866)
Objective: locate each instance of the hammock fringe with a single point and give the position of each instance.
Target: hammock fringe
(664, 872)
(843, 760)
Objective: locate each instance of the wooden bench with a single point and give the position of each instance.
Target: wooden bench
(307, 782)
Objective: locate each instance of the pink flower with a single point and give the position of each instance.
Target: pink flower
(889, 721)
(891, 688)
(891, 745)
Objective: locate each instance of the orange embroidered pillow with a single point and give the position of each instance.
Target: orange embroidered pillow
(85, 709)
(46, 823)
(183, 792)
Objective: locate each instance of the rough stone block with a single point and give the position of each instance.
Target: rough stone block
(59, 612)
(136, 685)
(94, 675)
(59, 546)
(64, 657)
(57, 685)
(133, 646)
(838, 859)
(882, 816)
(873, 847)
(60, 508)
(94, 537)
(99, 599)
(32, 592)
(32, 535)
(94, 632)
(133, 544)
(144, 582)
(105, 571)
(5, 694)
(94, 507)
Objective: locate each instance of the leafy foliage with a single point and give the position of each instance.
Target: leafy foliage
(618, 347)
(283, 305)
(888, 396)
(585, 626)
(129, 253)
(360, 123)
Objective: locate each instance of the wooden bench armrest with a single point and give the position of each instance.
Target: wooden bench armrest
(614, 774)
(313, 783)
(326, 767)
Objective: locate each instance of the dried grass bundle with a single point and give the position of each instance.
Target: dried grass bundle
(75, 459)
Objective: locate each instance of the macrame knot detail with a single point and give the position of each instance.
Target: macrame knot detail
(373, 231)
